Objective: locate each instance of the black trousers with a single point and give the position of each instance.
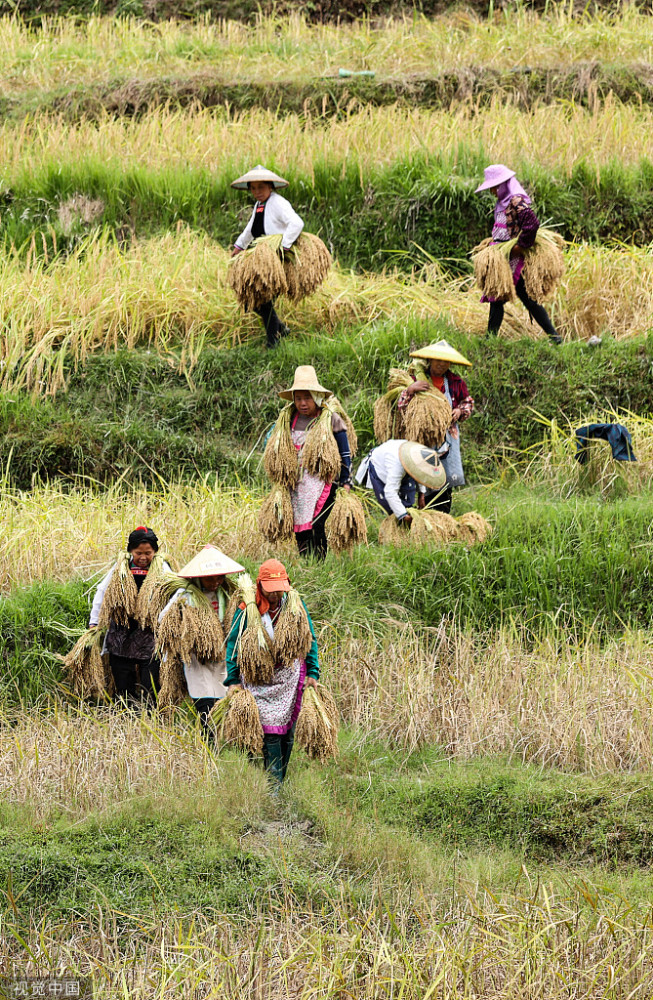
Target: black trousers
(536, 311)
(271, 322)
(314, 541)
(135, 679)
(439, 499)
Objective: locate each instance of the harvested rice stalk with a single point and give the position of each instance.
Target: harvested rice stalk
(280, 456)
(544, 265)
(242, 724)
(388, 420)
(477, 525)
(256, 274)
(427, 418)
(121, 595)
(256, 660)
(320, 456)
(86, 666)
(292, 633)
(173, 682)
(275, 519)
(345, 526)
(428, 528)
(336, 406)
(492, 272)
(306, 266)
(217, 717)
(149, 603)
(317, 725)
(190, 626)
(445, 525)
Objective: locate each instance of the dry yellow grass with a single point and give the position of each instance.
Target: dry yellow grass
(64, 53)
(172, 293)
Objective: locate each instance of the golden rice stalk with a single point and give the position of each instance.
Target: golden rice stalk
(317, 725)
(190, 626)
(336, 406)
(276, 519)
(217, 718)
(119, 604)
(398, 379)
(242, 724)
(85, 665)
(388, 420)
(150, 603)
(173, 682)
(492, 272)
(544, 265)
(306, 266)
(392, 533)
(320, 456)
(280, 456)
(292, 633)
(345, 526)
(256, 659)
(477, 525)
(427, 418)
(256, 274)
(428, 528)
(444, 525)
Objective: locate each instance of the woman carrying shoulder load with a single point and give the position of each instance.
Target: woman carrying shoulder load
(309, 454)
(514, 218)
(272, 215)
(432, 368)
(191, 630)
(123, 604)
(272, 652)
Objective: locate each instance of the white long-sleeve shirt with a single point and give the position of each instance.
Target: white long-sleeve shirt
(390, 471)
(279, 217)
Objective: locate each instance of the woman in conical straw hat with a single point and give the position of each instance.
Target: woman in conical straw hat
(432, 369)
(272, 215)
(514, 218)
(123, 607)
(308, 455)
(191, 629)
(401, 472)
(272, 652)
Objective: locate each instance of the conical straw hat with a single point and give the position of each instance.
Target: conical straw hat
(422, 464)
(259, 173)
(210, 562)
(442, 351)
(305, 381)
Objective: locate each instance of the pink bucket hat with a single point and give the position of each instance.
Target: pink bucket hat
(495, 175)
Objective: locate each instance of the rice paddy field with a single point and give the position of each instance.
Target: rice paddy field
(485, 831)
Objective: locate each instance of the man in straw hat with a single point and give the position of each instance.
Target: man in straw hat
(309, 452)
(399, 470)
(272, 215)
(192, 627)
(432, 367)
(514, 218)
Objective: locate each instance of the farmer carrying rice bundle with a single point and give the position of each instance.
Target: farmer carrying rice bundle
(273, 257)
(425, 403)
(122, 619)
(520, 259)
(307, 459)
(272, 655)
(192, 627)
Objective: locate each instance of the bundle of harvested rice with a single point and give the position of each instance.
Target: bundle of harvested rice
(292, 633)
(320, 455)
(256, 659)
(275, 519)
(172, 679)
(241, 725)
(427, 418)
(345, 526)
(190, 626)
(256, 274)
(317, 725)
(336, 406)
(444, 525)
(280, 456)
(477, 525)
(122, 599)
(427, 528)
(544, 265)
(306, 266)
(88, 669)
(388, 419)
(492, 272)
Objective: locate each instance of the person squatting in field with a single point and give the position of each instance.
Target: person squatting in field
(398, 471)
(191, 629)
(122, 605)
(272, 214)
(514, 218)
(272, 652)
